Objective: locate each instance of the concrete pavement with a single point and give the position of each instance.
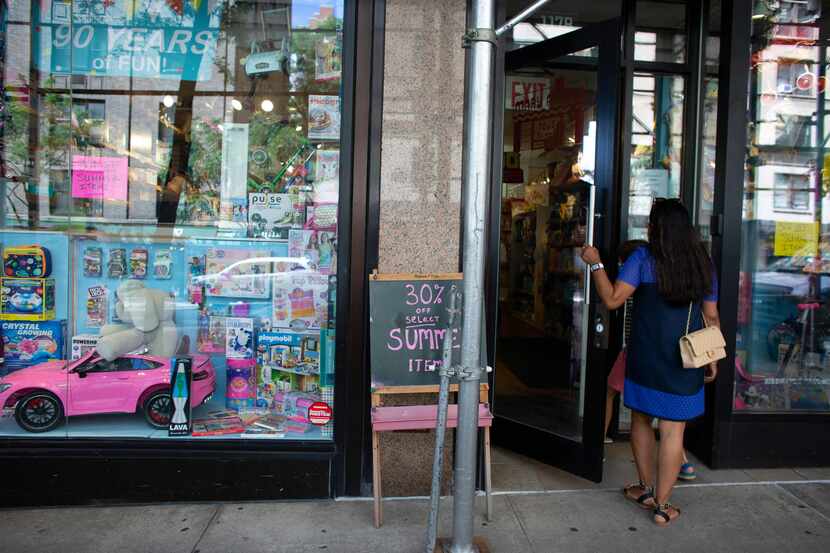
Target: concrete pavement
(755, 517)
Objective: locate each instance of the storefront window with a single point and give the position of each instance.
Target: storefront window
(170, 181)
(656, 146)
(783, 341)
(705, 192)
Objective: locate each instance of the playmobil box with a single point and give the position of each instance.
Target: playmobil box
(29, 343)
(27, 299)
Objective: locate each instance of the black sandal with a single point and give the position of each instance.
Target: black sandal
(664, 511)
(644, 500)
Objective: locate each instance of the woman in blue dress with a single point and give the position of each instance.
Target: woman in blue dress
(668, 278)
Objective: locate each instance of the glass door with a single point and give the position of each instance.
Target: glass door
(560, 128)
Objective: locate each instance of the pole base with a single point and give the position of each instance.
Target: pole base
(444, 545)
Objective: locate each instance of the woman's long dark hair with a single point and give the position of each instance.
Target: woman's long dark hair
(682, 265)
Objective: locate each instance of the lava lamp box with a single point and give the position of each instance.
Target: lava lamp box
(181, 377)
(29, 343)
(27, 299)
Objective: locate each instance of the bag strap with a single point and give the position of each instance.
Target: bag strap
(689, 319)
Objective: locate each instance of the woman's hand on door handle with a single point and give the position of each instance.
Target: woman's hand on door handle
(590, 255)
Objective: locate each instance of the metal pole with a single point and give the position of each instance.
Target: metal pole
(440, 429)
(524, 14)
(478, 137)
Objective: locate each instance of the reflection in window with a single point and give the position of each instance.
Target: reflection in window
(793, 130)
(656, 146)
(661, 32)
(147, 147)
(792, 192)
(783, 342)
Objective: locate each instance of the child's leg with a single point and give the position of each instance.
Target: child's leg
(609, 407)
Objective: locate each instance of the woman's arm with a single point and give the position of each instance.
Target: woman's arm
(612, 295)
(712, 318)
(710, 313)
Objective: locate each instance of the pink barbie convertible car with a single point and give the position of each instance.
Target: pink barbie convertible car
(42, 394)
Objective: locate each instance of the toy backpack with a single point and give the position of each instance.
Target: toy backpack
(31, 261)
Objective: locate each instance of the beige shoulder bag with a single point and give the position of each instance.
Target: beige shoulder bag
(703, 346)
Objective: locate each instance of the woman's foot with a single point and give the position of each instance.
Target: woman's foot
(608, 440)
(687, 472)
(665, 514)
(640, 494)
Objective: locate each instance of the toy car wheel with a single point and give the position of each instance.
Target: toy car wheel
(38, 412)
(158, 409)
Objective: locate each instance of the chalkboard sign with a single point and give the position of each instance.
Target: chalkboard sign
(408, 318)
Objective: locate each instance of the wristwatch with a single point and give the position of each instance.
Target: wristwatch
(596, 267)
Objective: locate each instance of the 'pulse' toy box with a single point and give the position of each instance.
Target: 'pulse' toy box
(27, 299)
(29, 343)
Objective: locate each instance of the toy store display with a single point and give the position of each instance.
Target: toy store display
(257, 311)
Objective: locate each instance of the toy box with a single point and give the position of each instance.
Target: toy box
(82, 343)
(93, 261)
(295, 405)
(239, 338)
(272, 215)
(27, 299)
(29, 343)
(300, 300)
(211, 333)
(27, 261)
(286, 361)
(317, 247)
(240, 392)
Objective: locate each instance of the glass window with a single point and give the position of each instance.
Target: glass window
(783, 339)
(656, 146)
(705, 193)
(170, 186)
(791, 192)
(661, 32)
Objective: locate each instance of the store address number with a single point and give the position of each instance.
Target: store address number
(563, 20)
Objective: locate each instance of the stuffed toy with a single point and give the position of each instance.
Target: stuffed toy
(147, 321)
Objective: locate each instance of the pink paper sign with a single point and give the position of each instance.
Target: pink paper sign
(87, 184)
(99, 177)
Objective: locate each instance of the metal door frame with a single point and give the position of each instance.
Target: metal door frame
(583, 458)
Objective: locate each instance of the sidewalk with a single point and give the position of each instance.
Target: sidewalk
(725, 511)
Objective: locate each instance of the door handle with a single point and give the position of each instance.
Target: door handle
(586, 298)
(123, 377)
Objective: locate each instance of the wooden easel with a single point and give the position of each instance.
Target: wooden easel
(422, 417)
